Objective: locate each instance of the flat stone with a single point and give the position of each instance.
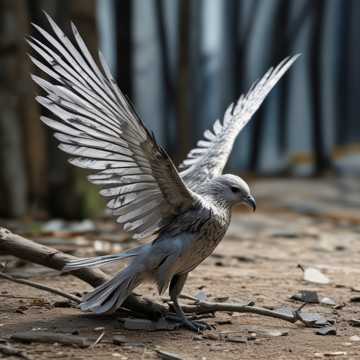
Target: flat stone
(326, 330)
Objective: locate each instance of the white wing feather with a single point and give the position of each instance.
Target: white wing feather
(209, 158)
(100, 130)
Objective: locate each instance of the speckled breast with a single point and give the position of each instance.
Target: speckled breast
(210, 234)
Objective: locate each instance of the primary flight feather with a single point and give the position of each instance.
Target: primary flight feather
(189, 211)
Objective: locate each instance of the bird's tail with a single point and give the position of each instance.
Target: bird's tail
(109, 296)
(100, 260)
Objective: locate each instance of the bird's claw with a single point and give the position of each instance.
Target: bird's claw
(193, 325)
(197, 326)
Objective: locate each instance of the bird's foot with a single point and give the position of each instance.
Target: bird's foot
(193, 325)
(197, 326)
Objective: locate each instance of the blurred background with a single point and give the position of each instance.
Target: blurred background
(181, 63)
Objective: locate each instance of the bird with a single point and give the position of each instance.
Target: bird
(187, 209)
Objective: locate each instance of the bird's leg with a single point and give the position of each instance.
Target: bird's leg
(176, 285)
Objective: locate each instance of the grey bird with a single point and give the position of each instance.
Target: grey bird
(188, 211)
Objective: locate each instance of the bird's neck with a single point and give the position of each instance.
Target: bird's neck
(212, 192)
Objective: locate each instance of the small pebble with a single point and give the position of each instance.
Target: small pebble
(355, 338)
(211, 336)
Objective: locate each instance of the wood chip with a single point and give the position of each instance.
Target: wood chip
(168, 355)
(221, 299)
(275, 333)
(330, 354)
(211, 336)
(315, 276)
(354, 322)
(224, 322)
(51, 338)
(237, 339)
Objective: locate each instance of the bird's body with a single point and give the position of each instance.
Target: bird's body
(180, 247)
(188, 211)
(195, 234)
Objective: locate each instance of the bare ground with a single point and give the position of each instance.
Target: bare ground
(310, 223)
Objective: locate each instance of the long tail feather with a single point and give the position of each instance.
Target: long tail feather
(100, 260)
(109, 296)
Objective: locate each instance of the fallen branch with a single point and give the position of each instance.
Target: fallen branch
(209, 307)
(12, 244)
(18, 246)
(40, 287)
(25, 249)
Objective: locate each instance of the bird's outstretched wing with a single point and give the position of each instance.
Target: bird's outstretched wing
(98, 127)
(209, 158)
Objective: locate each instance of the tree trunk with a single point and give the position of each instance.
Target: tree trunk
(14, 111)
(183, 120)
(124, 61)
(166, 75)
(322, 160)
(69, 194)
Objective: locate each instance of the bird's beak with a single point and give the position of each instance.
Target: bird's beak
(250, 201)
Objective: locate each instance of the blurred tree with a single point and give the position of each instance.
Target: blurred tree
(183, 121)
(321, 154)
(23, 175)
(284, 35)
(244, 32)
(290, 33)
(69, 194)
(124, 51)
(343, 72)
(275, 53)
(167, 78)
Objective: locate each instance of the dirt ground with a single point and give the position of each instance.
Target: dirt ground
(312, 223)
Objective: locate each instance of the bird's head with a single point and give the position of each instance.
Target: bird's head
(234, 190)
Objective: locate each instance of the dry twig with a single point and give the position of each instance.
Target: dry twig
(100, 337)
(8, 350)
(210, 307)
(40, 287)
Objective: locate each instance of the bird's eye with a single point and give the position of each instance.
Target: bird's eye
(234, 189)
